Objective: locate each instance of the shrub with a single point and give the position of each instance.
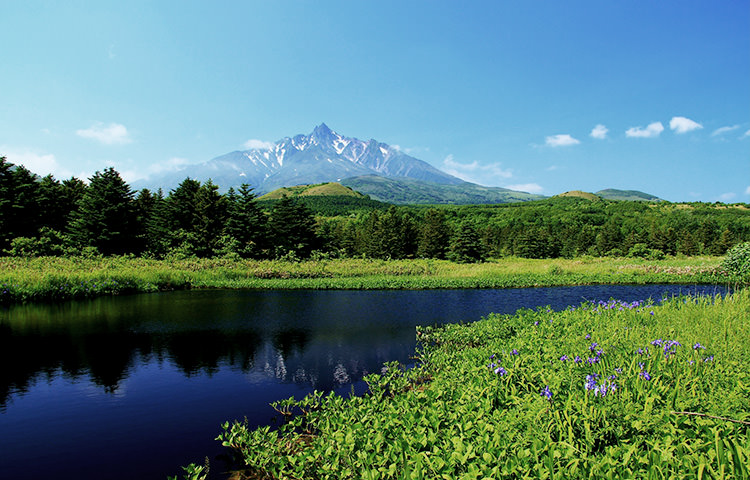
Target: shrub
(737, 261)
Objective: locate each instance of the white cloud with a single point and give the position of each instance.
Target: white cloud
(683, 125)
(599, 131)
(112, 134)
(560, 141)
(651, 131)
(474, 172)
(174, 164)
(747, 134)
(723, 130)
(526, 187)
(725, 197)
(747, 190)
(254, 144)
(41, 164)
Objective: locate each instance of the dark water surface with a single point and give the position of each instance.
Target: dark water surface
(134, 387)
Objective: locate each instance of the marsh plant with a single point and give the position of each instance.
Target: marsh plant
(605, 390)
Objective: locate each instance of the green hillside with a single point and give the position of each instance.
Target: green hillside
(633, 195)
(407, 191)
(580, 194)
(316, 190)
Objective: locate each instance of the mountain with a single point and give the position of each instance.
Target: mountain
(633, 195)
(321, 156)
(410, 191)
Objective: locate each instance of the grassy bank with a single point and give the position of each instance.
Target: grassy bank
(607, 390)
(61, 278)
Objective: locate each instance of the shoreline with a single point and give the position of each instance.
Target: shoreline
(58, 279)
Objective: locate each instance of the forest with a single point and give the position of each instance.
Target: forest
(104, 216)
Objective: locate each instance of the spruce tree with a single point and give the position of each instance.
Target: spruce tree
(247, 223)
(105, 217)
(292, 228)
(434, 236)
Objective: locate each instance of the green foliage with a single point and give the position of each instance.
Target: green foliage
(607, 390)
(292, 228)
(737, 261)
(105, 218)
(465, 246)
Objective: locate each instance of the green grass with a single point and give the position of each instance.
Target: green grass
(61, 278)
(676, 411)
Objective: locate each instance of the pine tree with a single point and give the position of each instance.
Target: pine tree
(465, 246)
(105, 216)
(434, 236)
(211, 210)
(292, 228)
(247, 223)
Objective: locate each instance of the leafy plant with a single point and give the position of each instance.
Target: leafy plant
(737, 261)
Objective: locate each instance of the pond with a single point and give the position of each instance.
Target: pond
(136, 386)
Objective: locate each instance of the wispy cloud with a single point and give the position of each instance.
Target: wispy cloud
(651, 131)
(41, 164)
(746, 134)
(684, 125)
(599, 132)
(526, 187)
(112, 134)
(174, 164)
(747, 190)
(723, 130)
(563, 140)
(491, 174)
(254, 144)
(726, 197)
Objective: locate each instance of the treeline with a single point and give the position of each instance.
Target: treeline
(44, 216)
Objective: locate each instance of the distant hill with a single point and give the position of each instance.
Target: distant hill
(410, 191)
(327, 199)
(612, 194)
(318, 190)
(632, 195)
(579, 194)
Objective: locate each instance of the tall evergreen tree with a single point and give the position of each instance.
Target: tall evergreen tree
(211, 210)
(465, 246)
(434, 236)
(247, 223)
(105, 217)
(292, 228)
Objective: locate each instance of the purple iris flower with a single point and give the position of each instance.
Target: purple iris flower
(501, 371)
(547, 393)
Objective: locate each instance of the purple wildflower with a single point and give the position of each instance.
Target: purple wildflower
(501, 371)
(645, 375)
(593, 346)
(577, 359)
(698, 346)
(564, 358)
(547, 393)
(514, 352)
(588, 336)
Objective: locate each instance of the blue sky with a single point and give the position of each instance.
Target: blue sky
(536, 96)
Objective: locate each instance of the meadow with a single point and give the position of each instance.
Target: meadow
(604, 390)
(65, 278)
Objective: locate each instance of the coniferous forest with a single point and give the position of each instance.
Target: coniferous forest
(48, 217)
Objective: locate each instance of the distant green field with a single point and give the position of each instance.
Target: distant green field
(63, 278)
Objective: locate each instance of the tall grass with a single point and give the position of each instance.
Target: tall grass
(62, 278)
(606, 390)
